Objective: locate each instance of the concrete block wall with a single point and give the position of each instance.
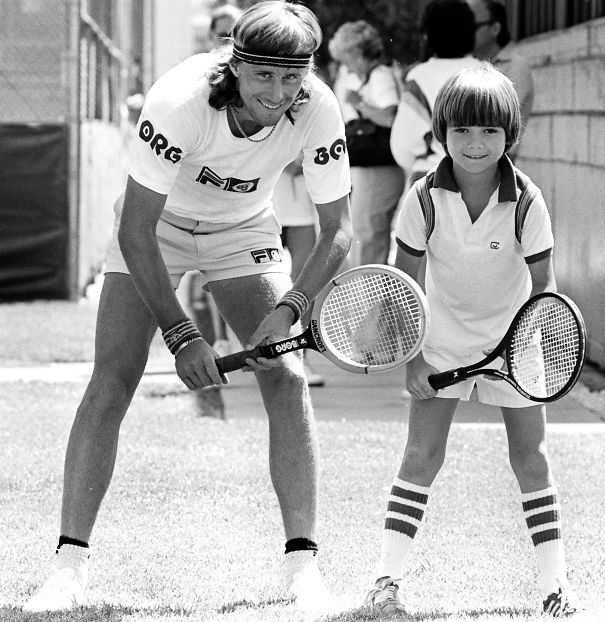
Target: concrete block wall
(563, 151)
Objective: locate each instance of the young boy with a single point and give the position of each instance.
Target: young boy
(480, 269)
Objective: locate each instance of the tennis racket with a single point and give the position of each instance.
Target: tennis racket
(371, 318)
(544, 351)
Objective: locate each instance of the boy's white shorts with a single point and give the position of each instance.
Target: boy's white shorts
(494, 392)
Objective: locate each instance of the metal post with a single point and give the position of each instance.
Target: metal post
(73, 156)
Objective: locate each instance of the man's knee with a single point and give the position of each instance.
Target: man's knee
(107, 397)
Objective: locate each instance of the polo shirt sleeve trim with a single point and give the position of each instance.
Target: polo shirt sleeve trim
(539, 256)
(408, 249)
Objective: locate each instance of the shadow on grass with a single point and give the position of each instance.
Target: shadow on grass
(117, 613)
(508, 613)
(251, 604)
(98, 613)
(361, 614)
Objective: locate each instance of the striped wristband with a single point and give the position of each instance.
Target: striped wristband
(297, 301)
(178, 336)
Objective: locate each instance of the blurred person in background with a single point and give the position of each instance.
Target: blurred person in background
(448, 27)
(376, 189)
(492, 37)
(222, 19)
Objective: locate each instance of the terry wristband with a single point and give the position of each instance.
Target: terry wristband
(180, 335)
(297, 301)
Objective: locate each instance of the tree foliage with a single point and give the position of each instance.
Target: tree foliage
(396, 20)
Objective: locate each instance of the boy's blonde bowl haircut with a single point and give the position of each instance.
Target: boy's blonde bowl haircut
(482, 97)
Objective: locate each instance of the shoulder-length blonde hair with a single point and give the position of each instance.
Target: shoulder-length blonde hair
(273, 28)
(482, 97)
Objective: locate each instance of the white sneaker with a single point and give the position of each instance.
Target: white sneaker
(304, 583)
(64, 589)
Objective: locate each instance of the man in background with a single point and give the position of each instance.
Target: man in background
(492, 37)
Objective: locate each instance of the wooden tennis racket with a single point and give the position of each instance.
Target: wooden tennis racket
(367, 319)
(544, 350)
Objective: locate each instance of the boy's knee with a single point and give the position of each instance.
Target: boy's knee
(423, 461)
(530, 463)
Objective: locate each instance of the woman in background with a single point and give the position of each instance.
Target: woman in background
(376, 189)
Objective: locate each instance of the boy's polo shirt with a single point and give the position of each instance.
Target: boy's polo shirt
(477, 275)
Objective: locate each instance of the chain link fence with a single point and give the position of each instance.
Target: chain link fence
(33, 35)
(48, 46)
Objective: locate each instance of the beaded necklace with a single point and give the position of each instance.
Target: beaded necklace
(241, 129)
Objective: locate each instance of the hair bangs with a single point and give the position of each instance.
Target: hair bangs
(477, 106)
(296, 32)
(482, 97)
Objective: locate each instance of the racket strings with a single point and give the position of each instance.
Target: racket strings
(373, 319)
(545, 348)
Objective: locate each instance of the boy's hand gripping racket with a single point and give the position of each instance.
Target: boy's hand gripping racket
(544, 351)
(367, 319)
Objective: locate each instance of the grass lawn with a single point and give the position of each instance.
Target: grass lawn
(42, 332)
(190, 528)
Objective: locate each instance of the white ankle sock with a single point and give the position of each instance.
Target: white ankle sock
(75, 557)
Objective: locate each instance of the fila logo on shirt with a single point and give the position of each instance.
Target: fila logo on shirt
(159, 143)
(230, 184)
(265, 255)
(494, 245)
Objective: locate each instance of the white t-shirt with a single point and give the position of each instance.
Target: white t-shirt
(185, 149)
(413, 121)
(381, 90)
(346, 81)
(476, 274)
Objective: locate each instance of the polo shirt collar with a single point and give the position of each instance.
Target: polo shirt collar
(507, 191)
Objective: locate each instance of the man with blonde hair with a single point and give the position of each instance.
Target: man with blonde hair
(214, 135)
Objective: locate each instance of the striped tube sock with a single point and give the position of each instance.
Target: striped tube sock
(405, 511)
(542, 513)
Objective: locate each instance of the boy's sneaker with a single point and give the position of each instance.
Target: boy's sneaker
(383, 598)
(303, 581)
(562, 604)
(64, 589)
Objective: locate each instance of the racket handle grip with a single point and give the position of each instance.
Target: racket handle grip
(446, 379)
(237, 360)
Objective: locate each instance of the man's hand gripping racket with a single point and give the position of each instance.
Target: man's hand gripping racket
(544, 350)
(367, 319)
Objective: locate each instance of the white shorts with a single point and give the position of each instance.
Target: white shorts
(248, 248)
(493, 392)
(292, 203)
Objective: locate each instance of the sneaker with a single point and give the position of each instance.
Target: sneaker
(383, 598)
(562, 604)
(64, 589)
(304, 583)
